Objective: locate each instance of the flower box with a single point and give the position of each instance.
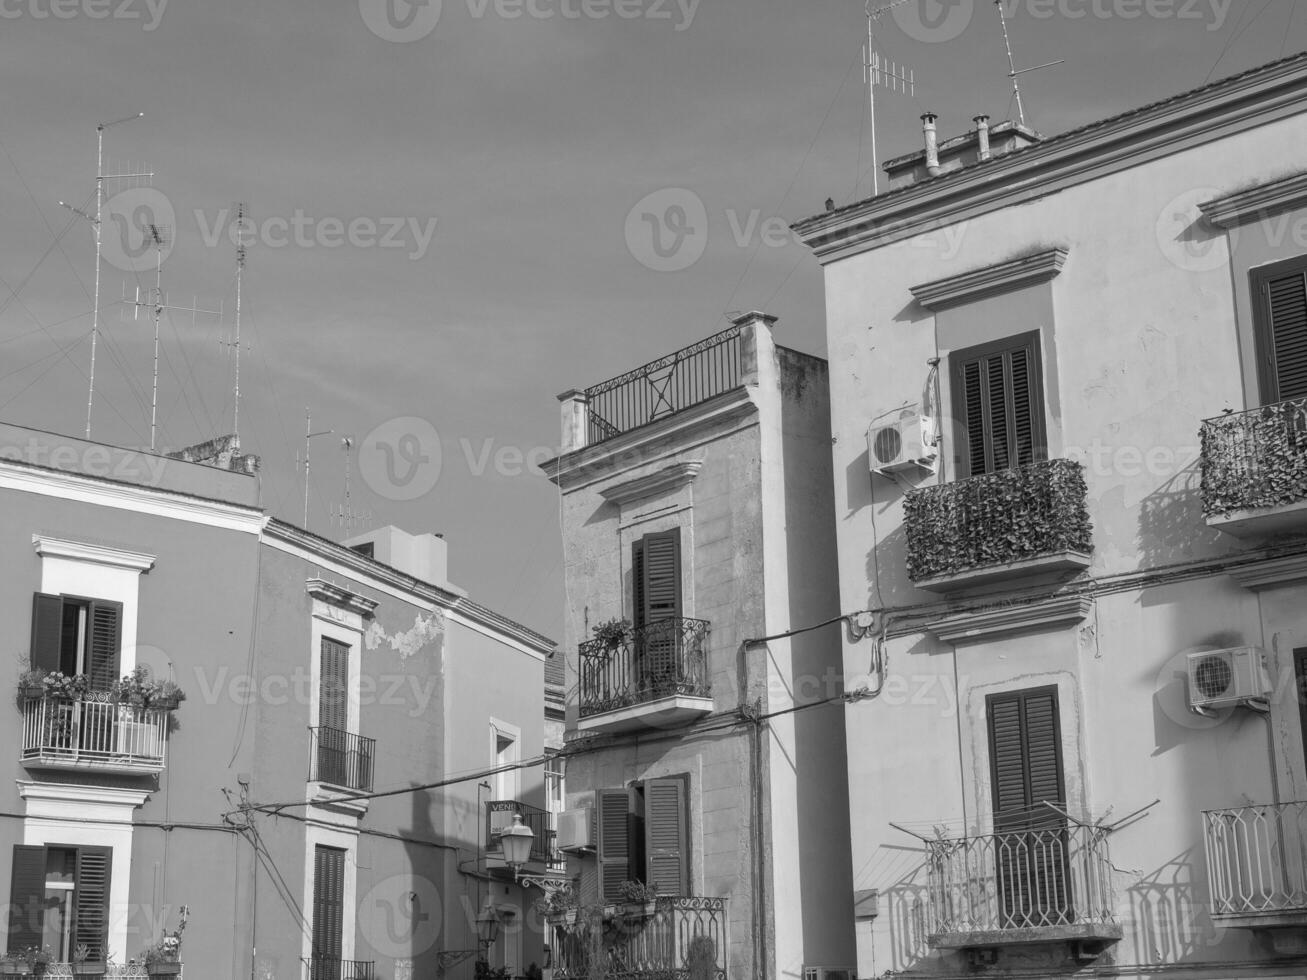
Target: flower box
(89, 968)
(640, 910)
(163, 969)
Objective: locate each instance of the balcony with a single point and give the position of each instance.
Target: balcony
(684, 938)
(499, 817)
(1255, 470)
(1011, 524)
(326, 968)
(657, 677)
(93, 734)
(1046, 885)
(1257, 870)
(341, 759)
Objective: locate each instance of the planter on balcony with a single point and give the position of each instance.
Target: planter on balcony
(1013, 523)
(31, 690)
(1254, 470)
(163, 968)
(89, 968)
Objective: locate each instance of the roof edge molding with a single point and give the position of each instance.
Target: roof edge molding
(1256, 202)
(1003, 277)
(988, 624)
(335, 595)
(665, 480)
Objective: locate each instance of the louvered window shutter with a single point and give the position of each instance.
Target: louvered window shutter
(666, 834)
(662, 576)
(998, 399)
(27, 898)
(105, 627)
(328, 903)
(613, 811)
(47, 631)
(333, 685)
(1282, 331)
(91, 900)
(637, 583)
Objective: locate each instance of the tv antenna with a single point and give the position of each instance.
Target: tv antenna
(1014, 73)
(345, 514)
(100, 178)
(157, 302)
(880, 71)
(242, 210)
(308, 436)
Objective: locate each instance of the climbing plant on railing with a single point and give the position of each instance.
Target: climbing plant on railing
(1255, 459)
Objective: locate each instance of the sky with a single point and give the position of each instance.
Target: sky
(452, 208)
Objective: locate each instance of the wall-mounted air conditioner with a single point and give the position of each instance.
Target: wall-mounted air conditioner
(902, 439)
(1220, 678)
(576, 829)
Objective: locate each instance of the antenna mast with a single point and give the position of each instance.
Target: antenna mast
(308, 436)
(1013, 72)
(156, 236)
(875, 72)
(240, 268)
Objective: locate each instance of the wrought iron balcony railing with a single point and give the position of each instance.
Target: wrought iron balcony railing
(93, 733)
(1255, 459)
(1021, 880)
(327, 968)
(667, 385)
(111, 971)
(1257, 859)
(684, 938)
(1007, 516)
(499, 817)
(662, 659)
(341, 758)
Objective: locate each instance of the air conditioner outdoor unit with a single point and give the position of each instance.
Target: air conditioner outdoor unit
(827, 973)
(576, 829)
(902, 439)
(1219, 678)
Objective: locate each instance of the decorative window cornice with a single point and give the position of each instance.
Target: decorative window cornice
(987, 624)
(665, 480)
(978, 283)
(1257, 202)
(343, 598)
(48, 547)
(1268, 574)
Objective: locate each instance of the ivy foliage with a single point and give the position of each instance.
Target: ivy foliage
(1000, 517)
(1255, 459)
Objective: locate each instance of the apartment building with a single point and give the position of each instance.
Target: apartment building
(706, 828)
(295, 810)
(1070, 374)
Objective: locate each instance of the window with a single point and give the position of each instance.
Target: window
(504, 750)
(328, 912)
(1031, 845)
(59, 898)
(77, 636)
(1280, 322)
(999, 402)
(656, 587)
(644, 835)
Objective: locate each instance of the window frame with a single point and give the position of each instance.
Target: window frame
(638, 845)
(959, 359)
(1259, 279)
(76, 930)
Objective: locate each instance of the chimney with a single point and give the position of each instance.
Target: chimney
(982, 138)
(932, 144)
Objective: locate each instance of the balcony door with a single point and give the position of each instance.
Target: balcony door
(656, 608)
(998, 400)
(333, 714)
(328, 912)
(1280, 321)
(1031, 859)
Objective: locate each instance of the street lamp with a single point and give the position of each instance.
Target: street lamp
(517, 842)
(487, 926)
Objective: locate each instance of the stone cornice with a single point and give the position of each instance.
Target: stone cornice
(1268, 574)
(1256, 202)
(343, 598)
(76, 793)
(973, 285)
(975, 627)
(664, 480)
(1184, 122)
(727, 412)
(48, 547)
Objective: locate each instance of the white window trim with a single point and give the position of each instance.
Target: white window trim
(57, 813)
(331, 622)
(95, 571)
(347, 841)
(513, 778)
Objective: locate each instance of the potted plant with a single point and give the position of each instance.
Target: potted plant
(30, 683)
(639, 899)
(83, 965)
(166, 695)
(65, 687)
(133, 689)
(164, 958)
(613, 633)
(29, 962)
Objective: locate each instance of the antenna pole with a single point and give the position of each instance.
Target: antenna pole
(871, 104)
(1011, 63)
(308, 436)
(158, 312)
(240, 268)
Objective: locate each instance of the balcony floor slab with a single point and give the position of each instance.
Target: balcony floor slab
(1262, 521)
(1057, 564)
(670, 712)
(1100, 932)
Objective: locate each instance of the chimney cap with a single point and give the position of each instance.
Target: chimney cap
(929, 117)
(983, 117)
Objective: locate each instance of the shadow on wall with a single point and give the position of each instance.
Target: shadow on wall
(869, 498)
(907, 905)
(1170, 908)
(1171, 523)
(1174, 723)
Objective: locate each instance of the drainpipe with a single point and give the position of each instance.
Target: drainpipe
(932, 144)
(982, 137)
